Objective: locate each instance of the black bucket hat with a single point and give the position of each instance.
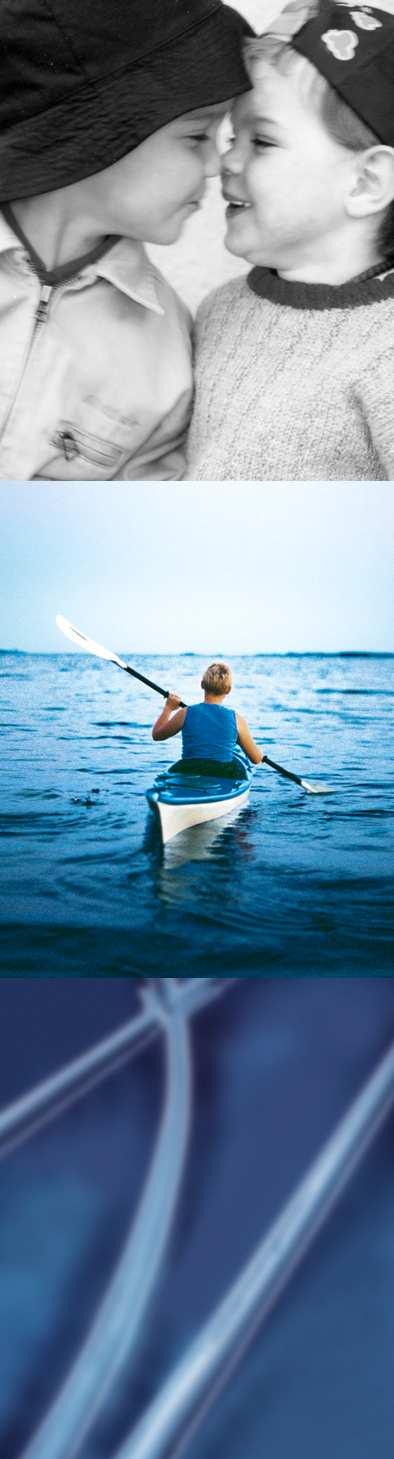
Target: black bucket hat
(83, 82)
(353, 47)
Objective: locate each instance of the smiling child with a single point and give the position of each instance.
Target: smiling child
(294, 364)
(108, 121)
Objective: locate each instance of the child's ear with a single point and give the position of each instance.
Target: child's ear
(373, 187)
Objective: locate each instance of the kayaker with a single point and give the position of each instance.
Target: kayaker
(211, 732)
(294, 363)
(108, 122)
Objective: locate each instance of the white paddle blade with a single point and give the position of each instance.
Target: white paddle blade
(87, 643)
(317, 789)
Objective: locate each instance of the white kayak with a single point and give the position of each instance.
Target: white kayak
(184, 798)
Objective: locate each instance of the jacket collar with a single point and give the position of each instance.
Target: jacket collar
(126, 266)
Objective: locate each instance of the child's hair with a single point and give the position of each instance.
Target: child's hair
(217, 679)
(340, 120)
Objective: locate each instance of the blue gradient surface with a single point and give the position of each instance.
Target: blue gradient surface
(276, 1063)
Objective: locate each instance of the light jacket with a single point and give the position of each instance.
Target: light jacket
(95, 373)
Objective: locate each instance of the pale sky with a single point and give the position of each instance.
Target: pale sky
(180, 567)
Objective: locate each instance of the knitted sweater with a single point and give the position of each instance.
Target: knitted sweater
(294, 381)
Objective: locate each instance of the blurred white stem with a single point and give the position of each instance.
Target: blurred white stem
(194, 1384)
(115, 1330)
(34, 1109)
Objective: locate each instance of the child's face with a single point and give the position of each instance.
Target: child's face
(289, 174)
(149, 194)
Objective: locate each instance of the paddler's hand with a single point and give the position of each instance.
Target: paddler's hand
(170, 720)
(172, 701)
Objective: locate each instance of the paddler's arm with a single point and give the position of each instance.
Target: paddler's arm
(247, 743)
(170, 721)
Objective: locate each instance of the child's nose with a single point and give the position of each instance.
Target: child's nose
(212, 161)
(232, 161)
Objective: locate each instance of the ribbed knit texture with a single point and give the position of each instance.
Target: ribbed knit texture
(294, 381)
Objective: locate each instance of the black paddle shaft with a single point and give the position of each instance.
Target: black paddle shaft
(150, 683)
(165, 692)
(288, 773)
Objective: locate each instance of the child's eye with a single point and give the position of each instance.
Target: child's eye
(198, 137)
(260, 143)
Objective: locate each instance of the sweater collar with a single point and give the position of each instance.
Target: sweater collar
(368, 288)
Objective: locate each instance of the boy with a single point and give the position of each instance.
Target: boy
(210, 731)
(295, 362)
(108, 120)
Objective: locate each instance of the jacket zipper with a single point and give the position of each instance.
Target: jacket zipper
(39, 318)
(43, 306)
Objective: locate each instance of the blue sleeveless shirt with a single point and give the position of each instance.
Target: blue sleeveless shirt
(209, 733)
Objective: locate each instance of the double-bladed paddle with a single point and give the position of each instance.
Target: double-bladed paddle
(92, 647)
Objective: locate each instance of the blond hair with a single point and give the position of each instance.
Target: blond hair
(217, 679)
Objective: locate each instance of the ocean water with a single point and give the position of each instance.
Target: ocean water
(296, 883)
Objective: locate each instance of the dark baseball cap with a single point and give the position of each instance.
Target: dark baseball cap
(353, 47)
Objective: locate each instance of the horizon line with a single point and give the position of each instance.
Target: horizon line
(202, 653)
